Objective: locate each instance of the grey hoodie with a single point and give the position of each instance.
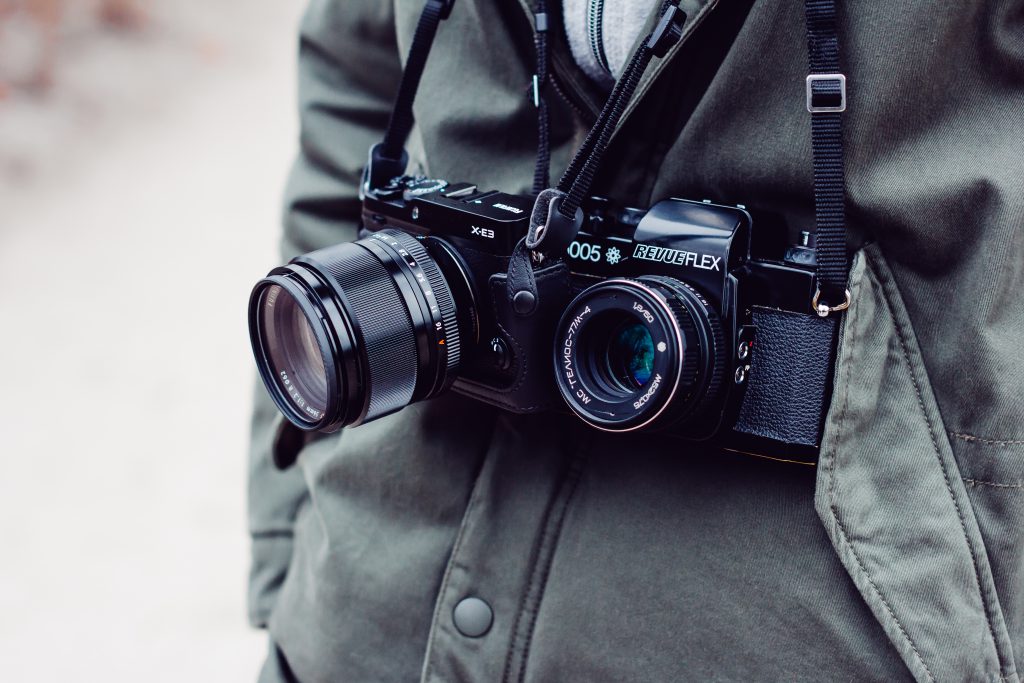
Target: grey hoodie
(604, 31)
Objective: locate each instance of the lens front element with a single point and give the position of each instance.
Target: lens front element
(636, 353)
(293, 351)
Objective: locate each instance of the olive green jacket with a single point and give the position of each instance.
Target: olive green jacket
(611, 558)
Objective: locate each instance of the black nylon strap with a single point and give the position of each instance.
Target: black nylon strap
(826, 99)
(577, 179)
(402, 120)
(579, 176)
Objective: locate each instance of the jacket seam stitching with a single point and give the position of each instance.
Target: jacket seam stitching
(986, 608)
(834, 507)
(993, 484)
(453, 563)
(535, 556)
(971, 438)
(575, 472)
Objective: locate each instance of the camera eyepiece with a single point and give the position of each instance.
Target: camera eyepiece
(359, 330)
(633, 353)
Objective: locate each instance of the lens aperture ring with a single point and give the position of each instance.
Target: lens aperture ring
(443, 306)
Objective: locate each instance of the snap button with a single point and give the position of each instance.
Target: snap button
(524, 302)
(473, 617)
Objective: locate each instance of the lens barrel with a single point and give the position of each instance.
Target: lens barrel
(350, 333)
(636, 353)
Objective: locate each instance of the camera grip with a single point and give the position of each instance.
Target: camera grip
(790, 377)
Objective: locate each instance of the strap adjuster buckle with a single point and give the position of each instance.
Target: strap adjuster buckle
(826, 93)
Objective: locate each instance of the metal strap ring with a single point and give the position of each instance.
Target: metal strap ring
(823, 310)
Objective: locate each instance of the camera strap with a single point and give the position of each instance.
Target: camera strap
(541, 173)
(557, 214)
(826, 100)
(388, 158)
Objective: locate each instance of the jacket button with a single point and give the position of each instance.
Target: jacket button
(473, 617)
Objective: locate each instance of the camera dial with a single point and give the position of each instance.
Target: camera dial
(635, 353)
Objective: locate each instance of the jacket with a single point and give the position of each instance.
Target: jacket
(599, 557)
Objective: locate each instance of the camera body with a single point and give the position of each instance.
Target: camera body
(682, 318)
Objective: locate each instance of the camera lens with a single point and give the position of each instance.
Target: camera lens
(639, 353)
(353, 332)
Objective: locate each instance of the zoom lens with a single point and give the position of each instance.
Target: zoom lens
(639, 353)
(359, 330)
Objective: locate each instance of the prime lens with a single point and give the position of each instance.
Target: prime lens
(355, 331)
(639, 353)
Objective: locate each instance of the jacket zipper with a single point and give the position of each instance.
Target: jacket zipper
(557, 87)
(595, 32)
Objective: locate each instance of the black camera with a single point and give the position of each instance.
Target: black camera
(682, 318)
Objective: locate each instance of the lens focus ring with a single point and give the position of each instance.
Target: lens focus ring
(690, 320)
(384, 325)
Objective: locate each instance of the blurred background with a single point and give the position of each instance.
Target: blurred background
(143, 150)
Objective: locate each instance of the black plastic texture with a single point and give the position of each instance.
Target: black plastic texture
(790, 377)
(385, 329)
(380, 169)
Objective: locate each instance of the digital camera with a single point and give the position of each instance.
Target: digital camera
(688, 318)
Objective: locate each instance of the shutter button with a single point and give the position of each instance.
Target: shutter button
(473, 617)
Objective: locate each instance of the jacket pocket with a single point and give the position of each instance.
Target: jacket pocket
(894, 502)
(993, 470)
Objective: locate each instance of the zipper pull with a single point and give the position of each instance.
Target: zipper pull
(668, 31)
